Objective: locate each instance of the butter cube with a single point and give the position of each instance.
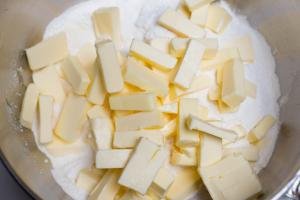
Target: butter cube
(87, 57)
(161, 44)
(107, 24)
(245, 47)
(112, 158)
(129, 139)
(145, 101)
(210, 150)
(97, 111)
(199, 15)
(107, 188)
(162, 182)
(29, 105)
(110, 67)
(185, 157)
(218, 19)
(139, 120)
(195, 123)
(259, 131)
(196, 4)
(189, 65)
(152, 56)
(250, 153)
(171, 108)
(45, 117)
(48, 51)
(234, 83)
(180, 25)
(96, 92)
(143, 166)
(102, 128)
(145, 79)
(72, 117)
(251, 89)
(88, 178)
(48, 83)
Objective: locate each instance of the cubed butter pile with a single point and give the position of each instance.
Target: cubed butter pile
(136, 111)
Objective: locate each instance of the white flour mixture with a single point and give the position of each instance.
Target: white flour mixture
(138, 20)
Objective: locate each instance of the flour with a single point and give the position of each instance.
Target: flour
(138, 20)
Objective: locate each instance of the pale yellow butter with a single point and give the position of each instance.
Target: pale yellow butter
(97, 111)
(96, 92)
(210, 150)
(87, 56)
(171, 108)
(162, 44)
(185, 157)
(196, 4)
(102, 128)
(250, 153)
(161, 183)
(259, 131)
(112, 158)
(45, 118)
(199, 15)
(87, 179)
(217, 19)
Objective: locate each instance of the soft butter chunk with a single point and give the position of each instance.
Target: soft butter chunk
(210, 150)
(162, 182)
(161, 44)
(143, 166)
(180, 25)
(97, 111)
(152, 56)
(142, 77)
(250, 153)
(139, 120)
(145, 101)
(29, 105)
(186, 156)
(96, 92)
(87, 56)
(199, 15)
(102, 128)
(112, 158)
(196, 4)
(110, 66)
(218, 19)
(195, 123)
(45, 117)
(72, 117)
(259, 131)
(87, 179)
(129, 139)
(189, 65)
(48, 51)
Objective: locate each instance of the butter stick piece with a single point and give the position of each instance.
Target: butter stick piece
(96, 92)
(102, 128)
(196, 4)
(189, 65)
(142, 77)
(133, 101)
(97, 111)
(210, 150)
(152, 56)
(186, 157)
(162, 182)
(72, 117)
(245, 47)
(180, 25)
(199, 15)
(87, 179)
(250, 153)
(171, 108)
(129, 139)
(139, 120)
(112, 158)
(110, 67)
(169, 128)
(143, 166)
(45, 117)
(195, 123)
(218, 19)
(48, 51)
(259, 131)
(161, 44)
(87, 57)
(29, 105)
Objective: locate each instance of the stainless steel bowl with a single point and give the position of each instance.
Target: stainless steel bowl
(22, 24)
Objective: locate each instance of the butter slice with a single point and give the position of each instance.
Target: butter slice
(259, 131)
(48, 51)
(189, 65)
(145, 101)
(87, 179)
(129, 139)
(196, 4)
(218, 19)
(48, 82)
(171, 108)
(195, 123)
(145, 79)
(210, 150)
(29, 105)
(234, 83)
(250, 153)
(162, 182)
(185, 157)
(152, 56)
(76, 75)
(110, 66)
(139, 120)
(45, 117)
(143, 166)
(162, 44)
(97, 111)
(199, 15)
(102, 128)
(96, 92)
(107, 188)
(180, 25)
(87, 56)
(72, 117)
(245, 47)
(107, 24)
(112, 158)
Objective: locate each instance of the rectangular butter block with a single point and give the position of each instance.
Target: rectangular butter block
(217, 19)
(87, 57)
(161, 183)
(196, 4)
(139, 120)
(180, 25)
(250, 153)
(259, 131)
(171, 108)
(142, 77)
(195, 123)
(97, 111)
(102, 128)
(151, 55)
(29, 105)
(189, 65)
(233, 83)
(45, 118)
(162, 44)
(72, 117)
(210, 150)
(112, 158)
(199, 15)
(109, 66)
(96, 92)
(87, 179)
(48, 51)
(129, 139)
(143, 166)
(145, 101)
(184, 157)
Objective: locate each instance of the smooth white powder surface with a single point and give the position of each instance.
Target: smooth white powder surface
(138, 20)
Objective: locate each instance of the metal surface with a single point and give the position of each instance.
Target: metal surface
(22, 24)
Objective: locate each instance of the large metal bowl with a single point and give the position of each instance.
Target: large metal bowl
(22, 23)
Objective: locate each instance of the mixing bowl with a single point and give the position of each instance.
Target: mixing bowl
(22, 23)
